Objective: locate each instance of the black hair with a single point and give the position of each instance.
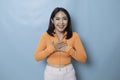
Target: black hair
(51, 27)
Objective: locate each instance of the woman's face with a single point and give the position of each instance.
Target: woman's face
(60, 21)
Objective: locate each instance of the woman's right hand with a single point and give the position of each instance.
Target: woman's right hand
(60, 46)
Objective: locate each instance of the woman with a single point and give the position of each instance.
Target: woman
(58, 45)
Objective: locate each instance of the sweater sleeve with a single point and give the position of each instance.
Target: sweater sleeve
(77, 51)
(42, 50)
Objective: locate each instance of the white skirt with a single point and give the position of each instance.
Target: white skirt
(65, 73)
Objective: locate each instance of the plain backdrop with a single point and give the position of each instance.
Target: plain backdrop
(23, 21)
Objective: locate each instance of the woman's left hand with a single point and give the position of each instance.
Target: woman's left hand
(64, 45)
(61, 46)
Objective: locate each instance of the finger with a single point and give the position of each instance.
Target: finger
(62, 45)
(53, 43)
(65, 41)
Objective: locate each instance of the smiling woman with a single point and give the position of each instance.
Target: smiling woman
(60, 21)
(58, 45)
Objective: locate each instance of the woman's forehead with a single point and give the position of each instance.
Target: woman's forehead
(60, 13)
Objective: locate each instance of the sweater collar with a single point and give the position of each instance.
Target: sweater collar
(65, 34)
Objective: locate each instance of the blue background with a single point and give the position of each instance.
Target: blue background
(23, 21)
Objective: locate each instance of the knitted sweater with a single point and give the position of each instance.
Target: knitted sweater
(45, 49)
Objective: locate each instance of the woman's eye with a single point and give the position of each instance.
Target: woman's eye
(65, 19)
(57, 19)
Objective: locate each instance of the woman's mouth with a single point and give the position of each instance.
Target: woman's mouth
(61, 26)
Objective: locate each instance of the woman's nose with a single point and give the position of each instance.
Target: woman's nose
(61, 21)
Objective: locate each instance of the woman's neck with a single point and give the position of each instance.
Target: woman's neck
(60, 35)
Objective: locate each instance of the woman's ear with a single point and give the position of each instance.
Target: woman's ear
(52, 20)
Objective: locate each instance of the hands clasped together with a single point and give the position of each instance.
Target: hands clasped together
(60, 46)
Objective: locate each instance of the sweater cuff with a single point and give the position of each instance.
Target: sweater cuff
(51, 48)
(68, 48)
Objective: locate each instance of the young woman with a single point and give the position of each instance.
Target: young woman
(58, 45)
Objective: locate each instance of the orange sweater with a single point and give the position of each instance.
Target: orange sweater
(74, 49)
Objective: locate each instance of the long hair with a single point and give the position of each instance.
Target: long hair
(51, 26)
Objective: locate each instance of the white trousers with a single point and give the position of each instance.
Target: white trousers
(65, 73)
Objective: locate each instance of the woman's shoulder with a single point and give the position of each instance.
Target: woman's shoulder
(45, 34)
(75, 34)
